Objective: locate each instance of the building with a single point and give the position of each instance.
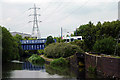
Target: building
(22, 34)
(70, 39)
(119, 10)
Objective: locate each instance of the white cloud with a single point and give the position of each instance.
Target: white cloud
(55, 14)
(8, 19)
(41, 1)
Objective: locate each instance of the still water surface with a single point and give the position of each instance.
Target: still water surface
(16, 69)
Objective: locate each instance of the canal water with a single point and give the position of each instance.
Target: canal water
(16, 69)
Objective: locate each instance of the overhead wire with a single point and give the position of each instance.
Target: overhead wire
(73, 11)
(54, 10)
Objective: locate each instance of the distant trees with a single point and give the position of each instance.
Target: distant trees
(58, 39)
(92, 33)
(49, 40)
(29, 38)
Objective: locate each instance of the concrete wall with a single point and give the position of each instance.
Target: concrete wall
(105, 65)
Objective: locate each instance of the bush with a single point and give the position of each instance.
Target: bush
(60, 62)
(40, 51)
(35, 59)
(57, 50)
(79, 43)
(105, 46)
(91, 69)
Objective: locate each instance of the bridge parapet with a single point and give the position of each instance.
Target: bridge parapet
(33, 41)
(33, 44)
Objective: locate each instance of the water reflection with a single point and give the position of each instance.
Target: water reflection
(8, 67)
(67, 72)
(28, 66)
(28, 70)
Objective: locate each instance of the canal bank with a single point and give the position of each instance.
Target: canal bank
(107, 66)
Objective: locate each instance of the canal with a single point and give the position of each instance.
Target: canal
(17, 69)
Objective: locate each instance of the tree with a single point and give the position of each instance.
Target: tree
(71, 35)
(79, 43)
(105, 46)
(17, 39)
(118, 49)
(91, 33)
(49, 40)
(9, 46)
(58, 39)
(88, 33)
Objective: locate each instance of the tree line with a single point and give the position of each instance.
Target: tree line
(11, 46)
(100, 37)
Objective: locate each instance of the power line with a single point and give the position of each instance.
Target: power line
(74, 10)
(55, 10)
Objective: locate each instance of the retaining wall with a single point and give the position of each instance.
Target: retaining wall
(106, 65)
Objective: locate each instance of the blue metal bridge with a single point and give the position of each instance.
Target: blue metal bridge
(33, 44)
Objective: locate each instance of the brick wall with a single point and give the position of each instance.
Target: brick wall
(106, 65)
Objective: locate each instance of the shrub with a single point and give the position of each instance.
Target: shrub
(91, 69)
(79, 43)
(40, 51)
(60, 62)
(106, 46)
(57, 50)
(35, 59)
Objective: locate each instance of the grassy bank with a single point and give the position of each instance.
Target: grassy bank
(36, 59)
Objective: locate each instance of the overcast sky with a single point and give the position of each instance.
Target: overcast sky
(68, 14)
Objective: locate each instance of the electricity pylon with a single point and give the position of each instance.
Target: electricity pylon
(35, 22)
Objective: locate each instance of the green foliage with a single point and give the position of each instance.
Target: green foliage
(40, 51)
(91, 69)
(65, 71)
(91, 33)
(28, 53)
(88, 33)
(28, 38)
(17, 39)
(60, 62)
(79, 43)
(57, 50)
(71, 35)
(58, 39)
(118, 49)
(36, 59)
(9, 46)
(49, 40)
(106, 46)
